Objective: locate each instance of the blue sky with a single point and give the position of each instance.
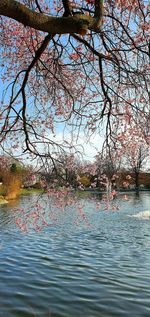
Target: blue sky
(83, 144)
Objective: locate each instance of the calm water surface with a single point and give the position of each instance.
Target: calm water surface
(101, 270)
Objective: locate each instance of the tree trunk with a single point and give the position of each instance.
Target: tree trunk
(137, 181)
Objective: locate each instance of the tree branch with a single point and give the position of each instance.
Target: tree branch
(67, 8)
(98, 14)
(42, 22)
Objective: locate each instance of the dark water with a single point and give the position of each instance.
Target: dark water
(101, 270)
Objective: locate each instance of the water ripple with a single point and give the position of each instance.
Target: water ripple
(101, 271)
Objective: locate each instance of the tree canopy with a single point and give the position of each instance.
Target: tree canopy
(84, 64)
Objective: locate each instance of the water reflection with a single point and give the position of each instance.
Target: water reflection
(67, 270)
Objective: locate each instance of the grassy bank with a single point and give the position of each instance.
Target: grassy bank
(25, 191)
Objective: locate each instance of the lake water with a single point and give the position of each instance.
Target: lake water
(69, 270)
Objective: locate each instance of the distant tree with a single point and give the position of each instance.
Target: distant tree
(85, 181)
(13, 168)
(137, 159)
(107, 167)
(133, 150)
(10, 177)
(65, 171)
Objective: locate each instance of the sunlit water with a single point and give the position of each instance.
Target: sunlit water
(100, 270)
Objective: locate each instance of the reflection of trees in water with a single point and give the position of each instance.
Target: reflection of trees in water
(7, 213)
(138, 198)
(134, 200)
(97, 196)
